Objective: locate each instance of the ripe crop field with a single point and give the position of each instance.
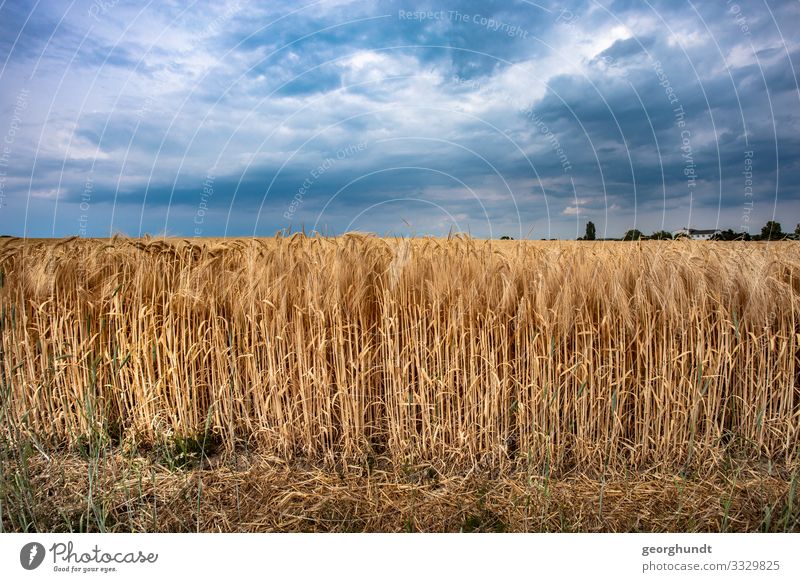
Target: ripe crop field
(359, 383)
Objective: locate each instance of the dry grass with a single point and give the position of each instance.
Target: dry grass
(580, 364)
(253, 494)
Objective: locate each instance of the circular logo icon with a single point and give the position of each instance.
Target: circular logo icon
(31, 555)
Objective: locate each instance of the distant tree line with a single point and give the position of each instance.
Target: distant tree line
(770, 231)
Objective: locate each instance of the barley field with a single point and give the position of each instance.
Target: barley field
(367, 384)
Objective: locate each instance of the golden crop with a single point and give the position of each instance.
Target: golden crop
(558, 355)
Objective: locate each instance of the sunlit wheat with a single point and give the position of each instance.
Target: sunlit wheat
(554, 355)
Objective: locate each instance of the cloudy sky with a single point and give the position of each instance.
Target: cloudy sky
(491, 118)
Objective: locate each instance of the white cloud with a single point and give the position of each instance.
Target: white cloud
(47, 194)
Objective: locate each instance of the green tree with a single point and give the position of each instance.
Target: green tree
(590, 231)
(633, 234)
(797, 231)
(725, 235)
(505, 237)
(661, 235)
(772, 231)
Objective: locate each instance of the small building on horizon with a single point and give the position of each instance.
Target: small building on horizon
(696, 233)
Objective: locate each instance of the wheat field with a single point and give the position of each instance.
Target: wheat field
(534, 363)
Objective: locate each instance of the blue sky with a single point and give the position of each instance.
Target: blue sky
(401, 118)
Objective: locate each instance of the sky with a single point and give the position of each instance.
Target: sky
(511, 118)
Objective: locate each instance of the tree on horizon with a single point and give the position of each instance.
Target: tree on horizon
(633, 234)
(661, 235)
(772, 231)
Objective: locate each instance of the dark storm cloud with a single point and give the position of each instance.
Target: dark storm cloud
(495, 116)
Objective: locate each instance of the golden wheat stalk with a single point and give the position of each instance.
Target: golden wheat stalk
(554, 355)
